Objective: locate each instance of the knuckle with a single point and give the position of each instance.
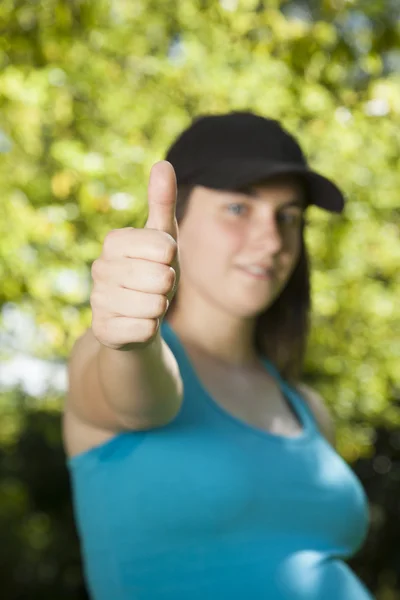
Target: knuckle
(108, 243)
(107, 331)
(111, 239)
(147, 330)
(167, 280)
(160, 305)
(151, 328)
(95, 298)
(99, 329)
(171, 276)
(95, 329)
(96, 269)
(110, 235)
(170, 248)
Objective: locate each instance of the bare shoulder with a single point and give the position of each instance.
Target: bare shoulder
(320, 410)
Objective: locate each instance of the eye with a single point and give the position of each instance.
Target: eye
(237, 208)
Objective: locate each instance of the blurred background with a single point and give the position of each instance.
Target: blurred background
(91, 95)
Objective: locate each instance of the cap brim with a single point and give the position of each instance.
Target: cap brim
(238, 173)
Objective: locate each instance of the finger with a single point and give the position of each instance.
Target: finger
(122, 330)
(130, 303)
(162, 190)
(136, 274)
(139, 243)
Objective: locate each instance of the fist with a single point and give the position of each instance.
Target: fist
(137, 274)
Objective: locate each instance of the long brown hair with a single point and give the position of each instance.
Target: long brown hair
(282, 329)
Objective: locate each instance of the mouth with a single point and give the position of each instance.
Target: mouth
(258, 273)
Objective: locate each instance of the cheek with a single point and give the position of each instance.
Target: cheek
(228, 238)
(208, 246)
(196, 251)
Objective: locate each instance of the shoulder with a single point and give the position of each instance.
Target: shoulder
(320, 410)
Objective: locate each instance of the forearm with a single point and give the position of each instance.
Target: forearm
(142, 385)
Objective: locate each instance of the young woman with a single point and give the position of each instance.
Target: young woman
(202, 467)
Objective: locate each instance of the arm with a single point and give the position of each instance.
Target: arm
(122, 375)
(112, 391)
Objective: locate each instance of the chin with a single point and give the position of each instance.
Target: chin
(253, 306)
(249, 310)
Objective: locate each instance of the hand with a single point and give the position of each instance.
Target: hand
(137, 274)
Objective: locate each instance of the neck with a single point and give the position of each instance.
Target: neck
(225, 338)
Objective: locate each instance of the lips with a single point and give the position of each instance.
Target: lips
(257, 272)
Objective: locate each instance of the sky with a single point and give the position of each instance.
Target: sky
(19, 333)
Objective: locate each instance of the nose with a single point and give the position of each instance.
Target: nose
(267, 235)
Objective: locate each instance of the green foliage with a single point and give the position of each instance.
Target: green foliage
(92, 94)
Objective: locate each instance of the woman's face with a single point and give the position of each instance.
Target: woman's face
(238, 250)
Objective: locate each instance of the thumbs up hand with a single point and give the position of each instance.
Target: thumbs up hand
(137, 274)
(162, 199)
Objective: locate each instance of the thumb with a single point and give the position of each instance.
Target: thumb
(162, 190)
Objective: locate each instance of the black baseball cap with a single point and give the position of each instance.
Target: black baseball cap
(240, 148)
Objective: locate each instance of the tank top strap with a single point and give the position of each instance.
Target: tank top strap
(297, 403)
(179, 351)
(293, 396)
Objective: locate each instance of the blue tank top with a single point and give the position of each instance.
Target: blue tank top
(209, 507)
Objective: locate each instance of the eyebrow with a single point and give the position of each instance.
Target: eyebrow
(250, 191)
